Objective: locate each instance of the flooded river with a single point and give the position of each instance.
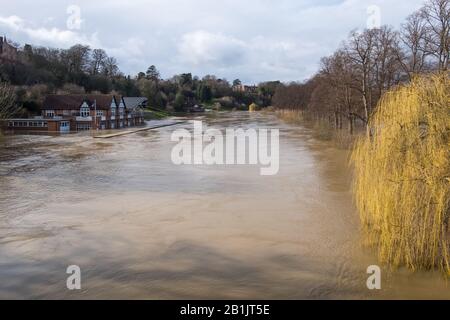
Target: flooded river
(141, 227)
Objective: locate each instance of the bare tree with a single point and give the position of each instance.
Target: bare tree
(110, 67)
(351, 82)
(97, 60)
(76, 58)
(386, 71)
(414, 41)
(360, 50)
(339, 73)
(436, 13)
(8, 106)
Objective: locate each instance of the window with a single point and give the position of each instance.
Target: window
(85, 112)
(83, 126)
(113, 112)
(99, 113)
(49, 113)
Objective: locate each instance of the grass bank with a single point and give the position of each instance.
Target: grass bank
(155, 114)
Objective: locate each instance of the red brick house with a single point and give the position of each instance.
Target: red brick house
(72, 113)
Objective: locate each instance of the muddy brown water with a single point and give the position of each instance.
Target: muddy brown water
(141, 227)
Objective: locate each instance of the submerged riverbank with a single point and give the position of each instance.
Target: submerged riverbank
(140, 227)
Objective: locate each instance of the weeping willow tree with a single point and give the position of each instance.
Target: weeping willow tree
(8, 105)
(402, 176)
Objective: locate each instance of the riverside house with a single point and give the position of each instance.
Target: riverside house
(72, 113)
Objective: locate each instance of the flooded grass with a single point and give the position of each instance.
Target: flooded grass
(322, 129)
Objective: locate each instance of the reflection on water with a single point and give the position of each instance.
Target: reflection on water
(141, 227)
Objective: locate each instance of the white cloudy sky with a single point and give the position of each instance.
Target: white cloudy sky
(254, 40)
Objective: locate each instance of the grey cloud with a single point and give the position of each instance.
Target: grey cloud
(254, 40)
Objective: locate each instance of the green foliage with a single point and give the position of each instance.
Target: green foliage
(153, 74)
(204, 93)
(98, 83)
(80, 69)
(179, 102)
(237, 82)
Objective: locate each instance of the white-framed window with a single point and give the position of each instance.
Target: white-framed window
(121, 109)
(85, 112)
(83, 126)
(99, 113)
(50, 113)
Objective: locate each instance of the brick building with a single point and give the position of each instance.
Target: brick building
(72, 113)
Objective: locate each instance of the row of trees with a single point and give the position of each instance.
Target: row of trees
(55, 67)
(184, 90)
(352, 80)
(80, 69)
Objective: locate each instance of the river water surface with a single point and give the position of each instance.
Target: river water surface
(141, 227)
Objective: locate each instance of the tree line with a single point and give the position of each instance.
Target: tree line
(80, 69)
(369, 63)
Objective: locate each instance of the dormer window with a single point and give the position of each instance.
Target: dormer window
(85, 111)
(113, 108)
(49, 113)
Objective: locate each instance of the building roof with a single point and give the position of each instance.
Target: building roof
(74, 101)
(134, 102)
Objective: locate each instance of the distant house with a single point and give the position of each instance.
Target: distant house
(135, 109)
(72, 113)
(8, 53)
(245, 89)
